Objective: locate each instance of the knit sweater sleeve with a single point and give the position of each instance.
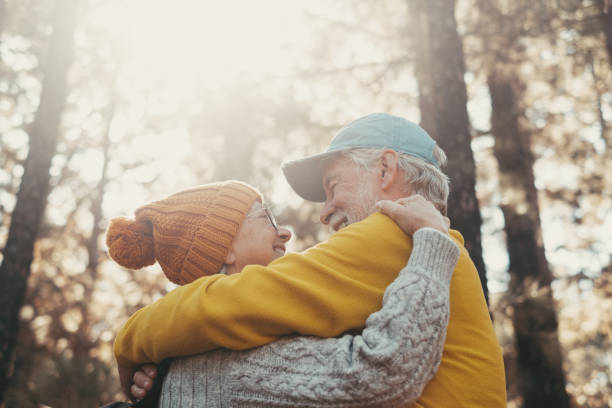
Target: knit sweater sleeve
(388, 364)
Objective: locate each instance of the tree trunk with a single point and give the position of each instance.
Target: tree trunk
(2, 17)
(443, 102)
(82, 342)
(33, 191)
(3, 21)
(605, 18)
(540, 371)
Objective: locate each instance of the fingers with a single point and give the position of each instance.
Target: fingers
(414, 198)
(446, 222)
(137, 392)
(413, 202)
(414, 212)
(142, 380)
(390, 208)
(150, 370)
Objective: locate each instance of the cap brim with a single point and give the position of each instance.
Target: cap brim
(306, 175)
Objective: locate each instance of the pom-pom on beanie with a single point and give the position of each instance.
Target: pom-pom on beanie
(188, 233)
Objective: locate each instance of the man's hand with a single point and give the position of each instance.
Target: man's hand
(413, 213)
(136, 382)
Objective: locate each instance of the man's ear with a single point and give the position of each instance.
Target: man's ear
(388, 169)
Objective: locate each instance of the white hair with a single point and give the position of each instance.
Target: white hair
(420, 177)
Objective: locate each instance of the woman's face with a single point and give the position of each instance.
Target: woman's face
(258, 240)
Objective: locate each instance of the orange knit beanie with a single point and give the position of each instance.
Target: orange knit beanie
(189, 233)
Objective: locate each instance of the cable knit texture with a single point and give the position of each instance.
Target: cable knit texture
(388, 365)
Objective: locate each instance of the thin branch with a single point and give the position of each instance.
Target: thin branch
(342, 70)
(347, 26)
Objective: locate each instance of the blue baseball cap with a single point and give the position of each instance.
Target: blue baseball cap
(378, 131)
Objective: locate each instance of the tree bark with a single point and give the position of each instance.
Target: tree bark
(2, 17)
(443, 102)
(605, 18)
(33, 191)
(81, 341)
(540, 372)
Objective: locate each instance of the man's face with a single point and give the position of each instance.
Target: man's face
(350, 193)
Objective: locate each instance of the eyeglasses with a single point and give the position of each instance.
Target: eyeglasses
(268, 213)
(271, 217)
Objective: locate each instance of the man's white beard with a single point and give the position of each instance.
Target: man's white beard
(363, 205)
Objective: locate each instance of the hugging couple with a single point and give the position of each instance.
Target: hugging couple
(388, 311)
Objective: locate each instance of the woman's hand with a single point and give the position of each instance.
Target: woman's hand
(137, 382)
(413, 213)
(143, 380)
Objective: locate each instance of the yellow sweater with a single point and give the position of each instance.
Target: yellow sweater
(325, 291)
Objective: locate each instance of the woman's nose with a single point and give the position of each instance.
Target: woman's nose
(284, 234)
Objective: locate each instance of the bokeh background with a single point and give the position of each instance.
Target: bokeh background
(108, 104)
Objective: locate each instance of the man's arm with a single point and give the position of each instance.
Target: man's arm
(325, 291)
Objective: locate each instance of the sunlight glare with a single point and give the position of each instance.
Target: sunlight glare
(206, 42)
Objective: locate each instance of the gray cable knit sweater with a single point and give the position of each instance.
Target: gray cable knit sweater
(388, 365)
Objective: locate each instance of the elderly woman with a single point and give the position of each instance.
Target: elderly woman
(217, 229)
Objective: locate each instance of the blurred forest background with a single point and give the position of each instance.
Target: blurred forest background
(108, 104)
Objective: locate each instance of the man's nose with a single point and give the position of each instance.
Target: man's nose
(284, 234)
(326, 212)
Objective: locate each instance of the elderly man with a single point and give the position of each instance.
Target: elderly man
(331, 289)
